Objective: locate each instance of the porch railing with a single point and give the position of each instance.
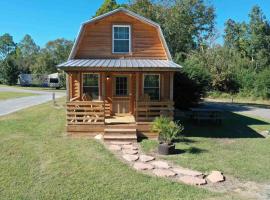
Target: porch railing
(87, 112)
(148, 111)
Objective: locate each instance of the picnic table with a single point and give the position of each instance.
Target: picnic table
(205, 114)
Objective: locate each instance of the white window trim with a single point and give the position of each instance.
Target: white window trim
(91, 86)
(129, 38)
(158, 83)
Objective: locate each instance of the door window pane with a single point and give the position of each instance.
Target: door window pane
(121, 86)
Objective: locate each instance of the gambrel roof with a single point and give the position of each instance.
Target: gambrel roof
(128, 12)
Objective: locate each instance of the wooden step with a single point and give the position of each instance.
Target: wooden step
(122, 134)
(120, 130)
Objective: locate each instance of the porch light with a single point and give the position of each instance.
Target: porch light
(108, 77)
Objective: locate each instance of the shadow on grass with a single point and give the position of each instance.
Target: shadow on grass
(233, 126)
(190, 150)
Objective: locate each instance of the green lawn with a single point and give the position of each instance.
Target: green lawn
(12, 95)
(235, 148)
(37, 161)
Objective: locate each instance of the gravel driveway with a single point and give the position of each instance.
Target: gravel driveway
(12, 105)
(263, 112)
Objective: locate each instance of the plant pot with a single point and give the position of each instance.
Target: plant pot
(166, 149)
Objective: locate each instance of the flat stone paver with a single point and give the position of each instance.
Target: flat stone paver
(187, 172)
(160, 164)
(142, 166)
(99, 137)
(145, 158)
(130, 151)
(115, 147)
(164, 172)
(130, 158)
(215, 177)
(191, 180)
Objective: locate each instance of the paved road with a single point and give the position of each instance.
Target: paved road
(12, 105)
(263, 112)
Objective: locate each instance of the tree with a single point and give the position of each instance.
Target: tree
(236, 36)
(54, 52)
(27, 52)
(145, 8)
(9, 70)
(259, 29)
(107, 6)
(7, 45)
(186, 24)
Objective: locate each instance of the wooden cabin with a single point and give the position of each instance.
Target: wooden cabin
(119, 77)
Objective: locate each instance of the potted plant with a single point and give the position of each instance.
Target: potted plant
(168, 130)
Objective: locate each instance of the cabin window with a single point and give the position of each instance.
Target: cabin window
(121, 39)
(91, 85)
(151, 85)
(121, 86)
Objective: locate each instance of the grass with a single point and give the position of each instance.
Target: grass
(37, 161)
(12, 95)
(235, 148)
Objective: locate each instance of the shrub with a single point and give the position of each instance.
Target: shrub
(187, 93)
(167, 129)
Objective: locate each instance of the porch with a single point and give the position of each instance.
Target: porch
(98, 101)
(89, 118)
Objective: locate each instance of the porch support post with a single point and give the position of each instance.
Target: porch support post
(137, 86)
(100, 86)
(67, 86)
(171, 85)
(103, 78)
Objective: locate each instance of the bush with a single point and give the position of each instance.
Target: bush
(262, 84)
(187, 92)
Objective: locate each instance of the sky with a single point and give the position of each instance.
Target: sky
(47, 20)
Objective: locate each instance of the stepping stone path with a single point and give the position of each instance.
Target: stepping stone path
(114, 147)
(129, 146)
(187, 172)
(143, 166)
(164, 172)
(215, 177)
(191, 180)
(130, 158)
(160, 164)
(145, 158)
(130, 151)
(141, 162)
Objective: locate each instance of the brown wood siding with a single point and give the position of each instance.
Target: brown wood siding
(96, 41)
(74, 84)
(166, 86)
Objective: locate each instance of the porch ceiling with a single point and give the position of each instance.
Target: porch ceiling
(120, 64)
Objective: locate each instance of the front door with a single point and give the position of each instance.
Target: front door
(121, 95)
